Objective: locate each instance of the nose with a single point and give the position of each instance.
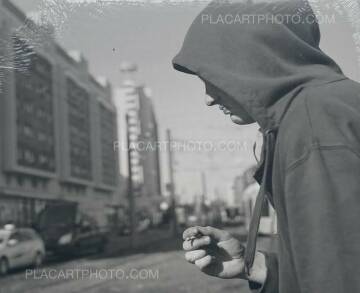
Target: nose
(210, 101)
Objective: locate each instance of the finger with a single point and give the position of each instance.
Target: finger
(217, 234)
(191, 232)
(193, 244)
(204, 262)
(240, 249)
(195, 255)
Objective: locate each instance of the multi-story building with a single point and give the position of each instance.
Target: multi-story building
(58, 125)
(149, 150)
(144, 155)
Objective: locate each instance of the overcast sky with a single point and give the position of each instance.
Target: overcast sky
(151, 35)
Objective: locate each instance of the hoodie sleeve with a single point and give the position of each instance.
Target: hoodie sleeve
(322, 202)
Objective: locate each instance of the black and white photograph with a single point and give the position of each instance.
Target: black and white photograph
(179, 146)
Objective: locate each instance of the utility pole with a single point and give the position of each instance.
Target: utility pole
(172, 182)
(203, 198)
(204, 189)
(130, 185)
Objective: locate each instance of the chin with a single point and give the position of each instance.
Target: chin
(240, 121)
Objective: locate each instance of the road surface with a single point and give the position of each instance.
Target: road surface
(159, 268)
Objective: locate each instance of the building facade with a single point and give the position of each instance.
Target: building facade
(149, 150)
(144, 155)
(58, 125)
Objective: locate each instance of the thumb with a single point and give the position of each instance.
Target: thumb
(217, 234)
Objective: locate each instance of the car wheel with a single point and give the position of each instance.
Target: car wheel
(38, 260)
(4, 266)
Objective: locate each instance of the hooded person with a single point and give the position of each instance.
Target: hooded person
(261, 60)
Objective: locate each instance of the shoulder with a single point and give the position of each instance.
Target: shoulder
(334, 112)
(326, 115)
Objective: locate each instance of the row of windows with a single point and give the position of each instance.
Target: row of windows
(108, 136)
(79, 125)
(35, 120)
(33, 158)
(34, 105)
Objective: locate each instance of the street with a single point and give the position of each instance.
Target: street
(159, 267)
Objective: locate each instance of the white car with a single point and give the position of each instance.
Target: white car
(20, 247)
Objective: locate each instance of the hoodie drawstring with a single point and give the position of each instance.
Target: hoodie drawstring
(265, 190)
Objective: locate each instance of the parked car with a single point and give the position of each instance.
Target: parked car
(20, 247)
(143, 225)
(66, 231)
(86, 236)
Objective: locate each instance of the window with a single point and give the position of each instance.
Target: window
(34, 108)
(28, 235)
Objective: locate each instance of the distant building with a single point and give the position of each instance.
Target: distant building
(58, 125)
(241, 182)
(150, 151)
(238, 189)
(145, 151)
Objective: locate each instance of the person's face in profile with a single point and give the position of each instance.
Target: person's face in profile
(229, 106)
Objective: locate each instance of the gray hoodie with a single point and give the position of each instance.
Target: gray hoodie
(266, 57)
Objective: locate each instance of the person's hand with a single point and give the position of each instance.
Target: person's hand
(217, 253)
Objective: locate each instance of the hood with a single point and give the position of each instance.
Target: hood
(259, 53)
